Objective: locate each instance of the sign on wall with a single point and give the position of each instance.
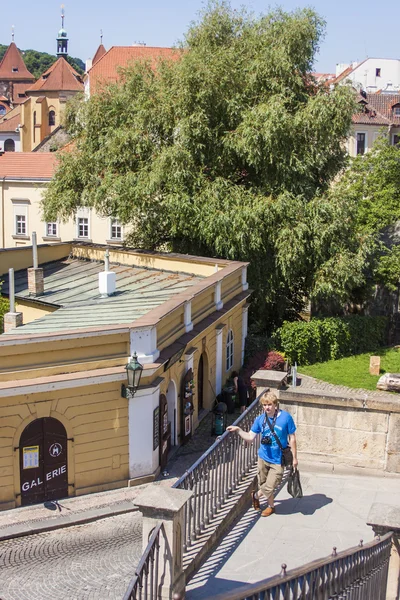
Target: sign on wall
(30, 457)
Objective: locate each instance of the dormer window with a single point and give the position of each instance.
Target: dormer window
(15, 69)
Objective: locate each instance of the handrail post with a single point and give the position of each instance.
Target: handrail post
(166, 505)
(384, 518)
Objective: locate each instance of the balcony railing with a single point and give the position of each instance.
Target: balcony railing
(359, 573)
(146, 582)
(216, 475)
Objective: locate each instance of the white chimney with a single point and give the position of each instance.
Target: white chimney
(107, 279)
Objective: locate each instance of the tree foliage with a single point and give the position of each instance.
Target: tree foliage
(225, 152)
(372, 186)
(38, 62)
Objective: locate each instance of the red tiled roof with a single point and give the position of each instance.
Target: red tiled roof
(20, 88)
(60, 77)
(99, 53)
(28, 165)
(378, 110)
(13, 60)
(105, 70)
(7, 125)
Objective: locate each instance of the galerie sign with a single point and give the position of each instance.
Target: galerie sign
(29, 485)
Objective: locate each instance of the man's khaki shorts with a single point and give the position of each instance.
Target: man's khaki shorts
(269, 476)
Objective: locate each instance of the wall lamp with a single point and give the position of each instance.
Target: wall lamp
(133, 373)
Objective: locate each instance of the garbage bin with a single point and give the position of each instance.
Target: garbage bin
(219, 419)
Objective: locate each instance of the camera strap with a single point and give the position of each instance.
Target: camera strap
(271, 426)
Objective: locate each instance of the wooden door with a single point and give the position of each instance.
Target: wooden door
(200, 384)
(43, 461)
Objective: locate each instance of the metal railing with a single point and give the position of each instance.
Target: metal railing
(359, 573)
(146, 581)
(216, 475)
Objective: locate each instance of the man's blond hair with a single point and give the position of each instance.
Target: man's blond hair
(269, 397)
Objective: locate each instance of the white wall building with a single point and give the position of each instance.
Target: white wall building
(371, 74)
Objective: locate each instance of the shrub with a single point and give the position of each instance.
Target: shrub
(274, 361)
(320, 340)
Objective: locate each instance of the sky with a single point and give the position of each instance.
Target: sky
(354, 30)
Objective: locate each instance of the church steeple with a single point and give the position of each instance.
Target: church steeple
(62, 40)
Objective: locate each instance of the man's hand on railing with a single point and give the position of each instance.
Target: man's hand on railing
(248, 436)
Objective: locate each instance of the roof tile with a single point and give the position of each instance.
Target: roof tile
(28, 165)
(105, 70)
(8, 125)
(378, 110)
(59, 77)
(12, 60)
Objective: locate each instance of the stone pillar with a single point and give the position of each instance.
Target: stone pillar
(384, 518)
(166, 505)
(12, 320)
(35, 281)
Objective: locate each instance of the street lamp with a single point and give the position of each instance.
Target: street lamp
(133, 373)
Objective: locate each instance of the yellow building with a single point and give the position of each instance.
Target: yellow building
(23, 176)
(66, 427)
(42, 112)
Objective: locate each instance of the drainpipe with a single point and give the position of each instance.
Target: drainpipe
(3, 236)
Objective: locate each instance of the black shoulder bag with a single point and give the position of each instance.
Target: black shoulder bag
(287, 455)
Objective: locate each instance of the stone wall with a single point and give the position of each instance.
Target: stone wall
(345, 431)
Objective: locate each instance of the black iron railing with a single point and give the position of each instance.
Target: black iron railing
(216, 475)
(146, 582)
(359, 573)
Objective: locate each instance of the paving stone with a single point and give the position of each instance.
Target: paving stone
(95, 560)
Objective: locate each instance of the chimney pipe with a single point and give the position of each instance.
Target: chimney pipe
(107, 278)
(34, 250)
(35, 274)
(12, 319)
(11, 290)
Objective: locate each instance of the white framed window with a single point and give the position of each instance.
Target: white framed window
(115, 230)
(396, 111)
(51, 229)
(229, 351)
(20, 207)
(83, 227)
(20, 225)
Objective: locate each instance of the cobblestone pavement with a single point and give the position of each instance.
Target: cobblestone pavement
(317, 385)
(87, 562)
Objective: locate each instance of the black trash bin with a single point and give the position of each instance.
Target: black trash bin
(219, 419)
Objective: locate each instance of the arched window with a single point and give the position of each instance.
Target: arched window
(3, 110)
(9, 146)
(229, 350)
(52, 117)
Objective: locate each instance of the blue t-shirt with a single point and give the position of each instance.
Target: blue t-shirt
(284, 426)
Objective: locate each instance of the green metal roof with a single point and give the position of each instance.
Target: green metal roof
(72, 285)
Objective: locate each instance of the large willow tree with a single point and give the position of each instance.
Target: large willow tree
(224, 152)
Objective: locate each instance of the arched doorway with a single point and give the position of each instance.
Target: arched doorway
(171, 399)
(43, 461)
(9, 145)
(200, 384)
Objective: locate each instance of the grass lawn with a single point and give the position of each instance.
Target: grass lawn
(354, 370)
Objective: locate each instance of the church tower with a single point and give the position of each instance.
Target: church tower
(62, 40)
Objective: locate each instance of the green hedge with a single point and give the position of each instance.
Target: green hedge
(320, 340)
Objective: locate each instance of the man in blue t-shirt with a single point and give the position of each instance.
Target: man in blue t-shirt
(270, 469)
